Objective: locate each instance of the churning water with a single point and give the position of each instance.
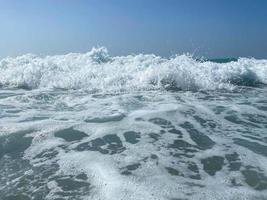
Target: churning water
(91, 126)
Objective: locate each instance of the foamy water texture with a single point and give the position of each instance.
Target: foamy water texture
(138, 127)
(97, 71)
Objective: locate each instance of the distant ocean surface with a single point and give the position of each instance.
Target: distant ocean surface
(137, 127)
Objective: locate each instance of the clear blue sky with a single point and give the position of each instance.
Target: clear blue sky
(210, 28)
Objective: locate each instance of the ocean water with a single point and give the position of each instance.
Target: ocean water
(137, 127)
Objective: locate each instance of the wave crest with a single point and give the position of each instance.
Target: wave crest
(97, 71)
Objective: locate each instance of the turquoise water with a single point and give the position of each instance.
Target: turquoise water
(223, 60)
(91, 126)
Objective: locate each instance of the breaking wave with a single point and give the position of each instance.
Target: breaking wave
(98, 71)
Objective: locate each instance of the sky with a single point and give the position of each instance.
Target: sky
(203, 28)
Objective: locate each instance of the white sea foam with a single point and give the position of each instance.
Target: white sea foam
(100, 115)
(146, 143)
(97, 71)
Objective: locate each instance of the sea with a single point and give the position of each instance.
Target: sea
(90, 126)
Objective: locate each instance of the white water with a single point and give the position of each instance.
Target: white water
(129, 135)
(97, 71)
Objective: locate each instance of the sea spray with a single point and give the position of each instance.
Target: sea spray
(97, 71)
